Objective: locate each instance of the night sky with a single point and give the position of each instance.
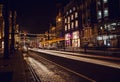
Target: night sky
(35, 16)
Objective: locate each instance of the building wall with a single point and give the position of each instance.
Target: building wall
(98, 22)
(72, 24)
(108, 22)
(1, 25)
(81, 11)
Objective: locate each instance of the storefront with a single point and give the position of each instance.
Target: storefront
(75, 39)
(109, 34)
(107, 40)
(67, 39)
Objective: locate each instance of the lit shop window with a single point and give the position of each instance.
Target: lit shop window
(76, 14)
(105, 12)
(105, 1)
(67, 39)
(75, 35)
(99, 15)
(75, 39)
(76, 23)
(72, 17)
(65, 27)
(72, 24)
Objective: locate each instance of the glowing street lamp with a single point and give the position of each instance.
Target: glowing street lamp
(59, 19)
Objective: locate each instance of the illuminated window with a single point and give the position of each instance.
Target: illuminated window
(76, 23)
(76, 14)
(105, 1)
(98, 3)
(101, 27)
(72, 24)
(69, 26)
(99, 38)
(67, 13)
(105, 12)
(75, 39)
(70, 11)
(65, 20)
(68, 19)
(73, 8)
(99, 15)
(72, 17)
(65, 27)
(105, 37)
(67, 39)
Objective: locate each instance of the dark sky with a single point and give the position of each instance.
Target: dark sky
(35, 16)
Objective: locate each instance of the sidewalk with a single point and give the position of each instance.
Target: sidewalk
(108, 52)
(14, 69)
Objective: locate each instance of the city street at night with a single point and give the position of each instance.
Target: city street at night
(49, 71)
(75, 68)
(59, 40)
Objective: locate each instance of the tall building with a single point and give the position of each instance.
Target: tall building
(71, 24)
(59, 25)
(107, 22)
(1, 26)
(59, 29)
(92, 22)
(10, 25)
(86, 22)
(77, 19)
(52, 32)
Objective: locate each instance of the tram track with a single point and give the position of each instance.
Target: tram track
(86, 78)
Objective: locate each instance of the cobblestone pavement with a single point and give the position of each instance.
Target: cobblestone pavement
(49, 72)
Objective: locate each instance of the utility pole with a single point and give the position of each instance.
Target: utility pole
(6, 28)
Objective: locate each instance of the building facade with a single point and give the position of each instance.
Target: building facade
(60, 30)
(71, 24)
(10, 26)
(78, 28)
(107, 23)
(1, 27)
(95, 23)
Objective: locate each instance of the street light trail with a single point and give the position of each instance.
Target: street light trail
(85, 55)
(88, 60)
(45, 74)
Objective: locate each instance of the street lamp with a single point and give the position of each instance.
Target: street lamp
(59, 19)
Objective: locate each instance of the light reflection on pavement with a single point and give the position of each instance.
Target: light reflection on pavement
(74, 57)
(44, 73)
